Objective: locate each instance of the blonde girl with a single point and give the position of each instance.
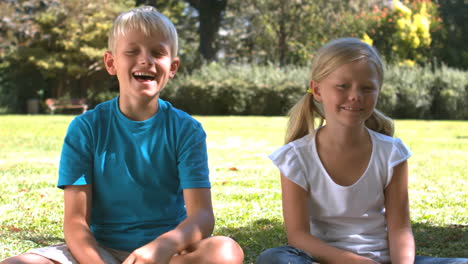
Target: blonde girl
(344, 177)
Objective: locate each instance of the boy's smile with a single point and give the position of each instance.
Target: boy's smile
(145, 76)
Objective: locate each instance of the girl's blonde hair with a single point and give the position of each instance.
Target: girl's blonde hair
(147, 20)
(307, 112)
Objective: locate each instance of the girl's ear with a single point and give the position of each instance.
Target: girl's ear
(314, 87)
(109, 63)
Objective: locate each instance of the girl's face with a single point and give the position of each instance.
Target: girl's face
(349, 94)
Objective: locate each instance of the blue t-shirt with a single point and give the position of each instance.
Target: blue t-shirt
(138, 170)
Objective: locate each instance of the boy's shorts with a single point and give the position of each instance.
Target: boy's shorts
(61, 254)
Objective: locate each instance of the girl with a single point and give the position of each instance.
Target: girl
(345, 183)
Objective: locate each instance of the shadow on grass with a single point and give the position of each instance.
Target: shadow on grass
(255, 237)
(441, 241)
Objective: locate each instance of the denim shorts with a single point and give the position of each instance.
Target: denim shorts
(292, 255)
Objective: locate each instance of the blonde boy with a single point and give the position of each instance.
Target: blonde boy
(134, 169)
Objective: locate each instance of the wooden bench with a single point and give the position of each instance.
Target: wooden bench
(74, 103)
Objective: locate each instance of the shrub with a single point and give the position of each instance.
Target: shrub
(217, 89)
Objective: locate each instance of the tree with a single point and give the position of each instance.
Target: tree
(285, 31)
(61, 41)
(451, 48)
(210, 16)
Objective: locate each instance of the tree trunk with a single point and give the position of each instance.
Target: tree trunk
(210, 14)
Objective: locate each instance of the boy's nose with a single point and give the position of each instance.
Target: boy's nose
(146, 59)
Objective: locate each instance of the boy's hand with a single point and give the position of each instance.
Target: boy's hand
(151, 253)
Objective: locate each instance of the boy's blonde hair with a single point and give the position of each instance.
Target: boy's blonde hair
(307, 112)
(147, 20)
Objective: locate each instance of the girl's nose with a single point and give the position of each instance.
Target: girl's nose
(355, 95)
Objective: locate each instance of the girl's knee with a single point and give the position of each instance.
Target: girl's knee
(283, 254)
(272, 256)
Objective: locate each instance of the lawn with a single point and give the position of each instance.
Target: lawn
(246, 191)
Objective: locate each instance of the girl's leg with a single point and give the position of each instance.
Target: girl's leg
(284, 255)
(431, 260)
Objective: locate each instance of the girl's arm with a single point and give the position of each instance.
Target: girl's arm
(78, 236)
(296, 219)
(400, 236)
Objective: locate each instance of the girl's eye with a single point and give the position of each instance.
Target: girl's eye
(342, 86)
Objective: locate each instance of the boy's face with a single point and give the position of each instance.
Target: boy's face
(143, 64)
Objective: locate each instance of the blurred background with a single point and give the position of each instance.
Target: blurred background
(238, 57)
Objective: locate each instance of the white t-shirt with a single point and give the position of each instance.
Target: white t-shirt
(347, 217)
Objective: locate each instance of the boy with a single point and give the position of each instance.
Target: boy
(134, 170)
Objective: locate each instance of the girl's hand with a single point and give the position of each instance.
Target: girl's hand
(151, 253)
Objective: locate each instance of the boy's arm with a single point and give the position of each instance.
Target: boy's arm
(78, 236)
(400, 236)
(296, 220)
(199, 224)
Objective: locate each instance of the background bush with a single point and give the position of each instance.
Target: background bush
(217, 89)
(408, 92)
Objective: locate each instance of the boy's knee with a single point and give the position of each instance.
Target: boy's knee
(27, 259)
(225, 250)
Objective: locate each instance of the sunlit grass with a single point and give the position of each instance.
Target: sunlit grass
(246, 190)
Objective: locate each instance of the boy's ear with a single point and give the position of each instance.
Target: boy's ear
(314, 86)
(174, 67)
(109, 63)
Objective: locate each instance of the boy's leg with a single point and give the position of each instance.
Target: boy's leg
(284, 255)
(28, 258)
(432, 260)
(216, 249)
(59, 254)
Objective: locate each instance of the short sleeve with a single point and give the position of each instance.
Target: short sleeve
(192, 159)
(400, 152)
(290, 165)
(76, 161)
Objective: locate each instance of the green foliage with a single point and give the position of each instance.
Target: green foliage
(403, 31)
(450, 43)
(423, 92)
(286, 32)
(54, 48)
(245, 184)
(237, 89)
(61, 42)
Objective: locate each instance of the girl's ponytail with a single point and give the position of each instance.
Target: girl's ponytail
(380, 123)
(302, 117)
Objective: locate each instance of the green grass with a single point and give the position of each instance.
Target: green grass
(246, 191)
